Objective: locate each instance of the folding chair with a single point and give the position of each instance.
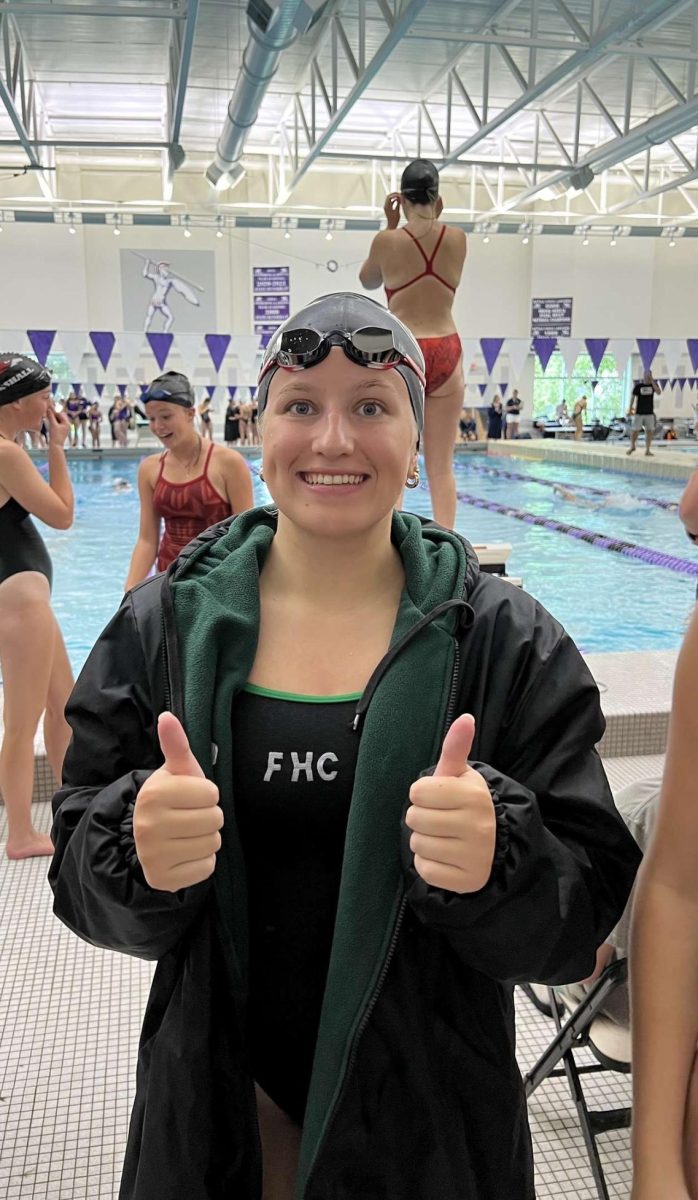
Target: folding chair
(573, 1034)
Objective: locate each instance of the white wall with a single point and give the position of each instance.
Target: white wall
(639, 288)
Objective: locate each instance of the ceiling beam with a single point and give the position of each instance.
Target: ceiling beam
(15, 85)
(30, 9)
(655, 12)
(403, 20)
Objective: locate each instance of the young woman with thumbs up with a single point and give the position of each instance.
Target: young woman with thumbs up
(372, 804)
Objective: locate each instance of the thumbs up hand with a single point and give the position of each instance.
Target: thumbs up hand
(177, 818)
(453, 819)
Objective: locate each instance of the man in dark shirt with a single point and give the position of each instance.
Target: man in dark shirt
(642, 412)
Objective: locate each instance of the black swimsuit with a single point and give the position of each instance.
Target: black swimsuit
(22, 547)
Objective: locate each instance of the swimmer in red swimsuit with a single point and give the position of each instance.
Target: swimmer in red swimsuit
(423, 299)
(188, 488)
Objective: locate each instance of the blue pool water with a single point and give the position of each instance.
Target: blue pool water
(606, 602)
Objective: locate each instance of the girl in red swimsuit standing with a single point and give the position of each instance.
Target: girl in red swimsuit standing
(192, 485)
(420, 265)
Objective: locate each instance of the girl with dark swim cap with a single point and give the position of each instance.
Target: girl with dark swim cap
(187, 487)
(374, 804)
(420, 265)
(36, 673)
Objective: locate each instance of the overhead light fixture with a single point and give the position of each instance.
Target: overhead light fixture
(187, 230)
(672, 241)
(579, 180)
(219, 223)
(585, 241)
(486, 238)
(221, 179)
(672, 232)
(117, 231)
(330, 226)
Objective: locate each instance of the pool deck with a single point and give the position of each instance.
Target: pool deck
(604, 456)
(635, 697)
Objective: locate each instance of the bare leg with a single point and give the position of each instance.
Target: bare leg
(281, 1139)
(441, 417)
(633, 441)
(649, 434)
(691, 1134)
(57, 731)
(26, 630)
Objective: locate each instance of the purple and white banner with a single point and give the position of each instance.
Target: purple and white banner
(271, 296)
(551, 316)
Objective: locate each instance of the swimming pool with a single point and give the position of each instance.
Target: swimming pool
(605, 601)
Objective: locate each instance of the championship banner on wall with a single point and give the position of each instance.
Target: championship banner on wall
(551, 317)
(271, 298)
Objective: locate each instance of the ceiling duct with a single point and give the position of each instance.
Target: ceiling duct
(274, 25)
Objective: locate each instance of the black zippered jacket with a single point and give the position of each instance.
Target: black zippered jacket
(415, 1092)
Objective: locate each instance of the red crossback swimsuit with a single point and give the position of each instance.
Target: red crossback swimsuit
(441, 354)
(187, 509)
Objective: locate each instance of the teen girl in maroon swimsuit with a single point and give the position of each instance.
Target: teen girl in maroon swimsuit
(189, 487)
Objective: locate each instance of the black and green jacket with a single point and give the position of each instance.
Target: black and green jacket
(415, 1093)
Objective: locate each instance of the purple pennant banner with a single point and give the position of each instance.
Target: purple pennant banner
(594, 384)
(596, 348)
(217, 344)
(483, 388)
(41, 341)
(231, 392)
(104, 345)
(54, 388)
(503, 389)
(662, 383)
(681, 380)
(210, 388)
(99, 388)
(160, 344)
(490, 351)
(122, 389)
(692, 344)
(648, 347)
(75, 387)
(144, 387)
(544, 348)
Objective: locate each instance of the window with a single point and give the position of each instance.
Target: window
(606, 400)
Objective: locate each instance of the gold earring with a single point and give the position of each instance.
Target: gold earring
(412, 481)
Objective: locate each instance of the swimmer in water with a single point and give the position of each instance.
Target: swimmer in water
(121, 485)
(613, 500)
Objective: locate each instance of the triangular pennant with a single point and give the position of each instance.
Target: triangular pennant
(54, 387)
(103, 343)
(217, 345)
(41, 343)
(544, 347)
(662, 382)
(692, 344)
(245, 348)
(210, 390)
(621, 349)
(231, 392)
(75, 388)
(596, 348)
(569, 349)
(99, 388)
(594, 384)
(74, 346)
(518, 350)
(188, 347)
(129, 347)
(13, 340)
(647, 348)
(144, 387)
(160, 344)
(503, 389)
(673, 350)
(122, 389)
(482, 388)
(681, 380)
(490, 351)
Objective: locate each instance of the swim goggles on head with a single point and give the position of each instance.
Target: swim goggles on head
(369, 346)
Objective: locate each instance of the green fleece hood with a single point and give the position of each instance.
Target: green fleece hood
(216, 604)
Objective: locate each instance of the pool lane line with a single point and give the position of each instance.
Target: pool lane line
(667, 505)
(628, 549)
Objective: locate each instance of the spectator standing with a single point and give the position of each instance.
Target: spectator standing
(513, 414)
(642, 412)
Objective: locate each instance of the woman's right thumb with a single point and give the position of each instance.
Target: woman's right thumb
(174, 744)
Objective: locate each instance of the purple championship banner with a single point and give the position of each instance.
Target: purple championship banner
(551, 316)
(271, 294)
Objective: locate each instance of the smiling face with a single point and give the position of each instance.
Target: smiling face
(171, 423)
(339, 441)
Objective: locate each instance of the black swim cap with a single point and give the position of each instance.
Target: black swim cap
(346, 312)
(20, 376)
(420, 182)
(173, 388)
